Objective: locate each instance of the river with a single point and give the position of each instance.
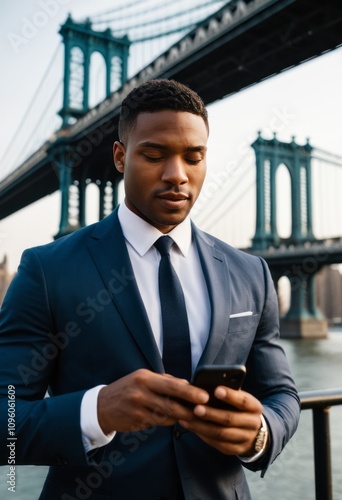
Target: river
(315, 364)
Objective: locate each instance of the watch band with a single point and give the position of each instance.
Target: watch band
(259, 444)
(261, 439)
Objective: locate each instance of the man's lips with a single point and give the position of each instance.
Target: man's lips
(173, 200)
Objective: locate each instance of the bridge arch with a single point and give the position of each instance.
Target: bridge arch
(97, 78)
(283, 182)
(76, 82)
(92, 206)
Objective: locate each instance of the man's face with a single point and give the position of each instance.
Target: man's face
(164, 165)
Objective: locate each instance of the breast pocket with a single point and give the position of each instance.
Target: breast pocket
(243, 324)
(238, 340)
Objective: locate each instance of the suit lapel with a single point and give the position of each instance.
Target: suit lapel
(216, 273)
(109, 252)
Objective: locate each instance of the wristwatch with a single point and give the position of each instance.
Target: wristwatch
(262, 436)
(259, 444)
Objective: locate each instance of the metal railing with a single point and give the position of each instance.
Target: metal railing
(320, 402)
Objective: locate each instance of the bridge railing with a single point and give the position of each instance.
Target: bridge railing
(320, 402)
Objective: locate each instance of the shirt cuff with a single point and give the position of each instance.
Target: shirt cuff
(92, 434)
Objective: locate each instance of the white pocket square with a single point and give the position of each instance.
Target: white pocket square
(241, 315)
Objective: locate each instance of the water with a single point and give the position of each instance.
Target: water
(315, 364)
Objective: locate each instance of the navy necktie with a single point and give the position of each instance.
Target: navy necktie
(176, 337)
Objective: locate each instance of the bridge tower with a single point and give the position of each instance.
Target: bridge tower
(78, 163)
(80, 42)
(270, 154)
(303, 318)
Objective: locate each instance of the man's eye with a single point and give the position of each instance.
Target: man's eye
(193, 161)
(153, 158)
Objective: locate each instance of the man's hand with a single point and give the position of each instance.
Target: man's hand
(144, 399)
(232, 432)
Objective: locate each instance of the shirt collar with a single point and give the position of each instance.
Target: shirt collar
(142, 235)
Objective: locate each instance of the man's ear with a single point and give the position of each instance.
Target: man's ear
(119, 156)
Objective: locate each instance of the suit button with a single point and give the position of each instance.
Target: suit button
(177, 434)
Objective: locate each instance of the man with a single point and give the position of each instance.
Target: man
(84, 319)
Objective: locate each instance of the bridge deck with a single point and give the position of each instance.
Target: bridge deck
(231, 50)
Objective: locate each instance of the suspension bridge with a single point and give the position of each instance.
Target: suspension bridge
(217, 48)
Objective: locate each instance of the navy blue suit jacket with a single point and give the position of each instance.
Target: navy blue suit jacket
(73, 318)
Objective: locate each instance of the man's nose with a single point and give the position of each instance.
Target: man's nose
(175, 171)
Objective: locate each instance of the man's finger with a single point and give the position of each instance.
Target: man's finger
(239, 399)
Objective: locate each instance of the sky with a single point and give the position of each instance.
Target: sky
(305, 101)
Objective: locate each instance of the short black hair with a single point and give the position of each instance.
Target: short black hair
(159, 95)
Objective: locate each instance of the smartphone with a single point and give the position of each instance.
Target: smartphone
(208, 377)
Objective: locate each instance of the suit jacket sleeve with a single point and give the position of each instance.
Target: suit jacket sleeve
(271, 381)
(29, 358)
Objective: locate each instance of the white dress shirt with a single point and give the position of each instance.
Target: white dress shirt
(140, 237)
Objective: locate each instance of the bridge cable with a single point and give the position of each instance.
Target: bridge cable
(15, 135)
(327, 157)
(42, 114)
(220, 201)
(328, 153)
(216, 202)
(162, 19)
(124, 17)
(119, 8)
(127, 6)
(165, 33)
(325, 160)
(223, 214)
(226, 209)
